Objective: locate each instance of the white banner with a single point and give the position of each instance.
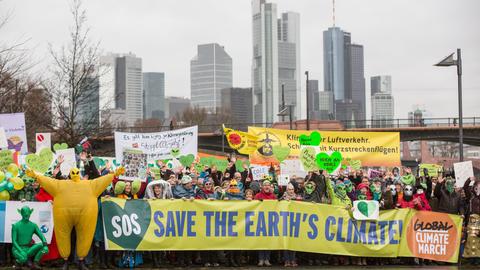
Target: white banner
(463, 171)
(43, 140)
(158, 145)
(15, 129)
(42, 215)
(3, 138)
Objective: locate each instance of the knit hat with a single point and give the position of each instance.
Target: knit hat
(362, 185)
(186, 179)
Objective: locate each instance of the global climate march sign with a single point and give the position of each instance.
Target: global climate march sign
(277, 225)
(158, 145)
(370, 148)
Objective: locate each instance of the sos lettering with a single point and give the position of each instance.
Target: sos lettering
(126, 225)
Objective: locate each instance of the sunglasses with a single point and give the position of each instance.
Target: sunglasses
(208, 184)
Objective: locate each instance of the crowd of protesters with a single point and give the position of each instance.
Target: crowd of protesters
(397, 188)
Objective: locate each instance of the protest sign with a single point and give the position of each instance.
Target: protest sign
(292, 167)
(43, 140)
(366, 210)
(42, 216)
(277, 225)
(433, 169)
(3, 138)
(15, 130)
(371, 148)
(308, 156)
(259, 172)
(373, 173)
(69, 160)
(158, 145)
(283, 180)
(135, 163)
(463, 171)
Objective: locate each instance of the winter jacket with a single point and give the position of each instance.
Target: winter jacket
(265, 196)
(180, 192)
(204, 194)
(450, 203)
(472, 198)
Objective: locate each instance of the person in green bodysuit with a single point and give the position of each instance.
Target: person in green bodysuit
(339, 194)
(22, 233)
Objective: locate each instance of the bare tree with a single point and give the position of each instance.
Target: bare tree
(74, 85)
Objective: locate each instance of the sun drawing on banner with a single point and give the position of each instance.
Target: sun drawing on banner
(266, 141)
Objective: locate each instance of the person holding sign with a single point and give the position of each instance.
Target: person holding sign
(449, 201)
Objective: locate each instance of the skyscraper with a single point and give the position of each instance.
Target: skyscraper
(275, 61)
(382, 101)
(88, 104)
(154, 95)
(129, 87)
(237, 103)
(210, 72)
(265, 62)
(175, 106)
(343, 69)
(288, 27)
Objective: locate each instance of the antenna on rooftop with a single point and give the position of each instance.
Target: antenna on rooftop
(333, 13)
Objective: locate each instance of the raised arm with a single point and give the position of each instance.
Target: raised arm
(49, 184)
(330, 191)
(101, 183)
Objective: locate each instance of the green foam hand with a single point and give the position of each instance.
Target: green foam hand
(281, 152)
(313, 140)
(329, 162)
(40, 162)
(308, 159)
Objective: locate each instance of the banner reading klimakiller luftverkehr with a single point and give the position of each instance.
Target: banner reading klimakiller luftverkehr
(274, 225)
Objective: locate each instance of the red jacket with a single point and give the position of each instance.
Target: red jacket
(265, 196)
(423, 206)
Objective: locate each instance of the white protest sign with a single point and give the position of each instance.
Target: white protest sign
(283, 180)
(259, 172)
(292, 167)
(158, 145)
(69, 160)
(463, 171)
(3, 138)
(15, 130)
(42, 216)
(43, 140)
(366, 210)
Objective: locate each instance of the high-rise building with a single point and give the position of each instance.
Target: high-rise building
(129, 87)
(313, 98)
(326, 106)
(175, 106)
(382, 101)
(107, 84)
(265, 62)
(88, 104)
(275, 62)
(344, 75)
(238, 104)
(381, 84)
(210, 72)
(154, 95)
(357, 79)
(288, 27)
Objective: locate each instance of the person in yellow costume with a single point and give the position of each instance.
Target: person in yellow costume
(74, 205)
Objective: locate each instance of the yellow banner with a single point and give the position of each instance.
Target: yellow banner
(243, 142)
(277, 225)
(371, 148)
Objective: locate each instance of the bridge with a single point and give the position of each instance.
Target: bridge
(426, 129)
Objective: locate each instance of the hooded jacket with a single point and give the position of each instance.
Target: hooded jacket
(166, 190)
(472, 198)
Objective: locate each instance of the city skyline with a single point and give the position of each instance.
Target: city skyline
(392, 47)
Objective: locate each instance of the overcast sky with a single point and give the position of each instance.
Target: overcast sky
(401, 38)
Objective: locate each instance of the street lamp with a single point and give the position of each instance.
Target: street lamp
(308, 103)
(446, 62)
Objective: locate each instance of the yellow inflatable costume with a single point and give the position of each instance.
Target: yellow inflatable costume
(75, 205)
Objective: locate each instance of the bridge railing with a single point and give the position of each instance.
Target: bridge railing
(417, 122)
(390, 123)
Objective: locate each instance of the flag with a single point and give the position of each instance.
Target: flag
(243, 142)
